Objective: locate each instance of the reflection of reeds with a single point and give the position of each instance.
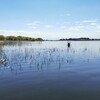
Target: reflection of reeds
(3, 61)
(36, 59)
(39, 59)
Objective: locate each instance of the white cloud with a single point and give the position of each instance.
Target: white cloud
(62, 15)
(93, 24)
(89, 21)
(98, 28)
(33, 27)
(76, 28)
(73, 29)
(68, 15)
(77, 22)
(20, 32)
(85, 28)
(34, 24)
(48, 26)
(58, 23)
(66, 22)
(62, 27)
(12, 32)
(29, 24)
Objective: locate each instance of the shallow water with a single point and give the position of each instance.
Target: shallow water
(50, 70)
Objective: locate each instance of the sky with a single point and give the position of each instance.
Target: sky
(50, 19)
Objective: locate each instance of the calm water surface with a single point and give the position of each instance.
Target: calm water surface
(50, 70)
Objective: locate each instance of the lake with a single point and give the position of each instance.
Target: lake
(50, 70)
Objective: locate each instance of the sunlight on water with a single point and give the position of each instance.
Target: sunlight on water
(57, 71)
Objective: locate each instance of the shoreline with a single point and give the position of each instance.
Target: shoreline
(5, 41)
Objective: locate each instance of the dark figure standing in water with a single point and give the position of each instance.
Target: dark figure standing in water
(68, 44)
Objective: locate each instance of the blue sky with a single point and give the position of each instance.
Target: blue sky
(50, 19)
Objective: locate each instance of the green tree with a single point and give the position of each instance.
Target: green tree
(2, 37)
(39, 39)
(13, 38)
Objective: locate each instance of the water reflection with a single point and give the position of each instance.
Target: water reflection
(3, 58)
(28, 56)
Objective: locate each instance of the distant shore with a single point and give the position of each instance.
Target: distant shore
(80, 39)
(18, 38)
(4, 39)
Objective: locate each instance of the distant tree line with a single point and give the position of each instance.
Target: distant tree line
(19, 38)
(79, 39)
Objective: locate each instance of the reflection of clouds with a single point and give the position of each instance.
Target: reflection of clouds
(42, 57)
